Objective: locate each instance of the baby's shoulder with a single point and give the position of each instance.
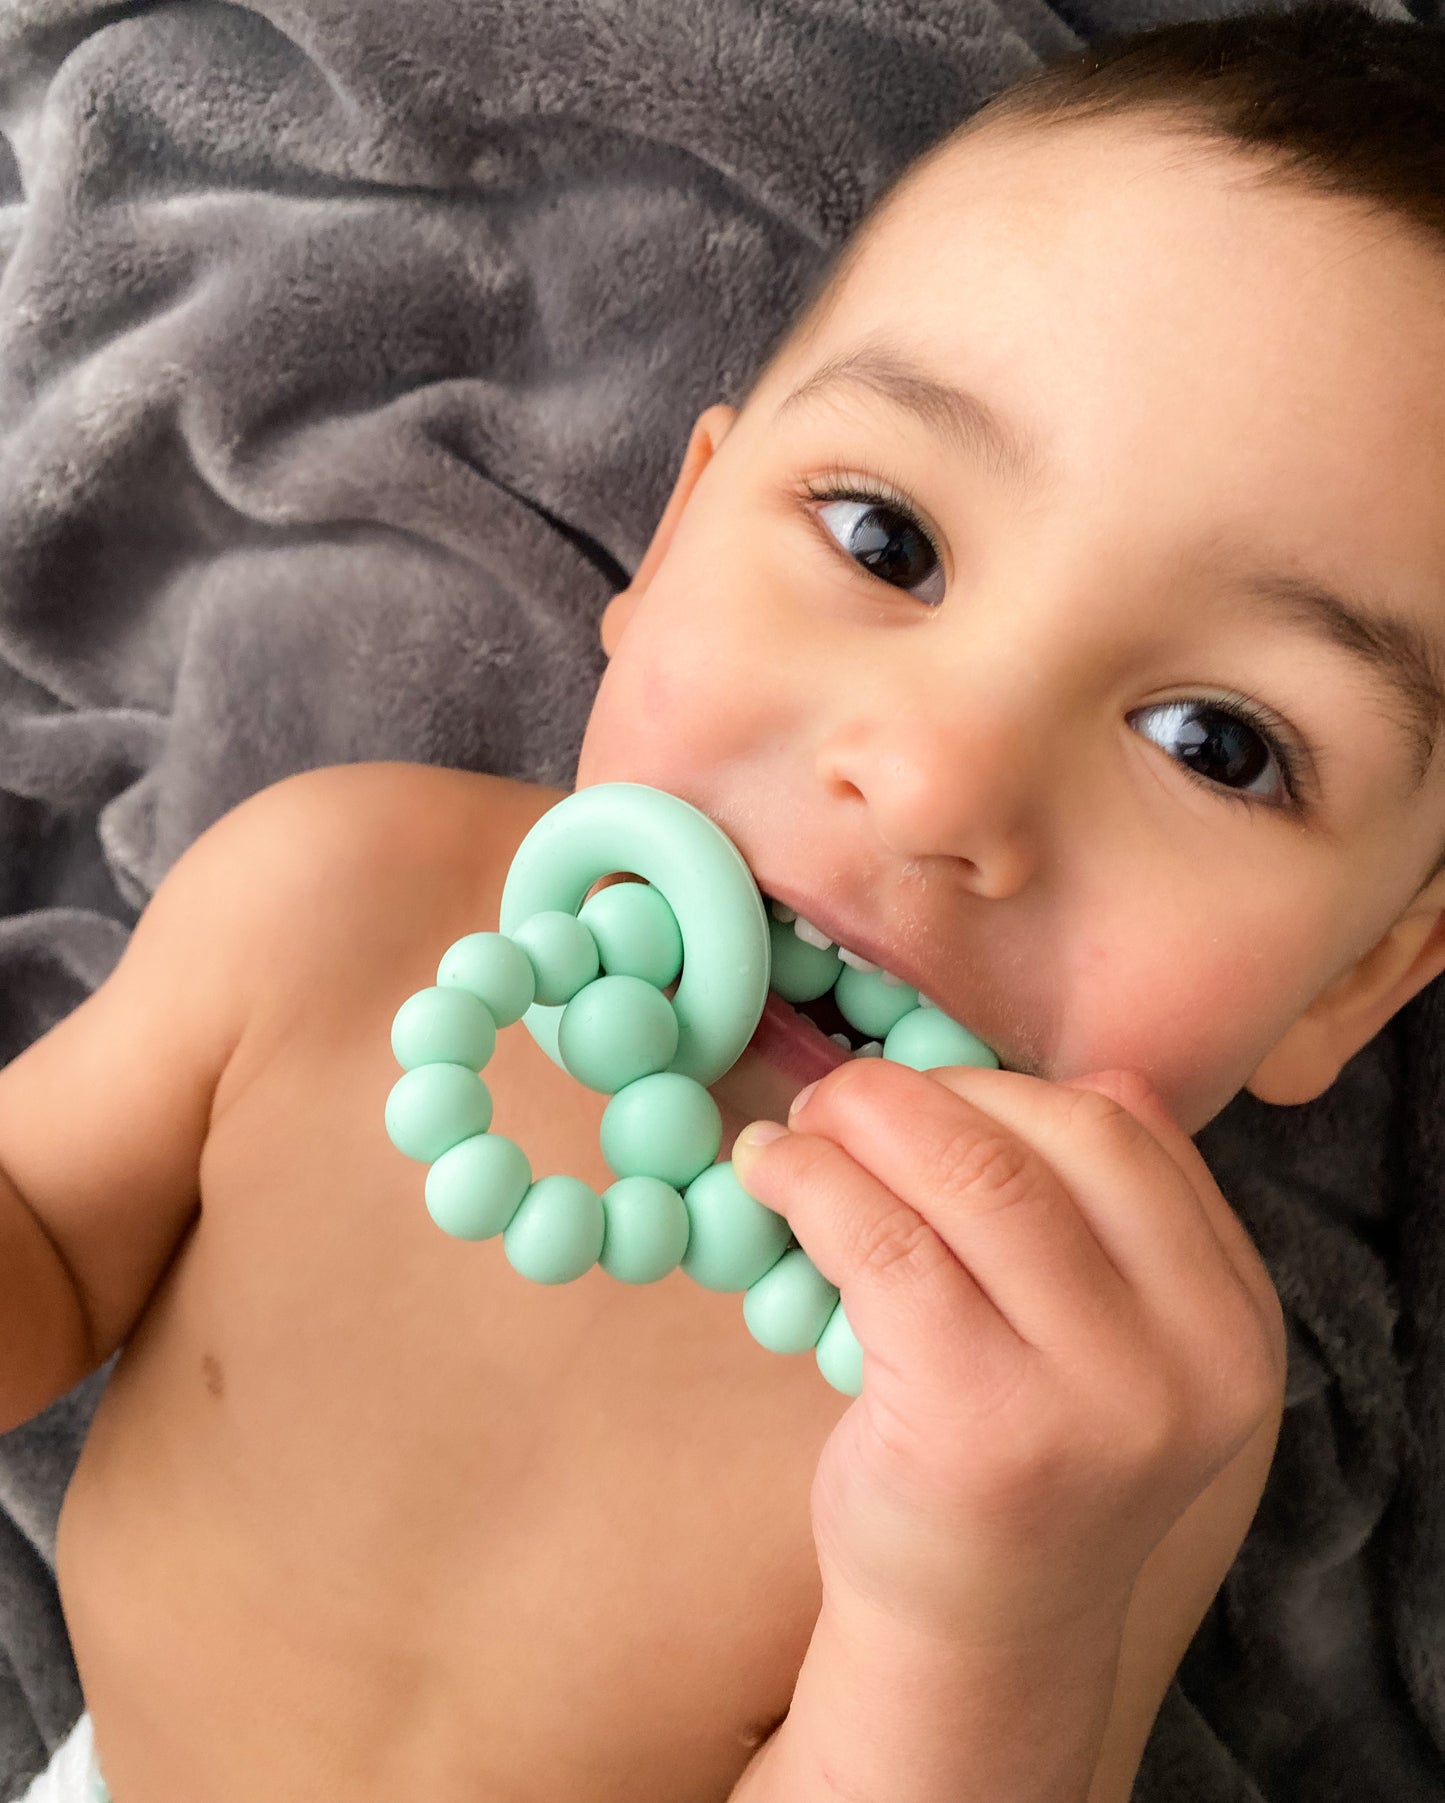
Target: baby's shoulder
(358, 874)
(351, 836)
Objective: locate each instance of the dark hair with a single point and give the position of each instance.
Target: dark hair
(1328, 97)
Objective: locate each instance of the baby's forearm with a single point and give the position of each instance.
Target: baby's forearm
(44, 1337)
(884, 1716)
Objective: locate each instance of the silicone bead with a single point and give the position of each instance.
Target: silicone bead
(800, 972)
(443, 1026)
(927, 1039)
(789, 1306)
(597, 831)
(431, 1109)
(647, 1229)
(556, 1233)
(636, 932)
(871, 1005)
(615, 1030)
(733, 1239)
(495, 970)
(473, 1191)
(839, 1356)
(562, 953)
(663, 1126)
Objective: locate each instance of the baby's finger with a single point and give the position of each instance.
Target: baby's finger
(1131, 1210)
(912, 1305)
(986, 1187)
(1162, 1221)
(1131, 1090)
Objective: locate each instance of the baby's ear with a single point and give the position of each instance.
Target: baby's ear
(709, 430)
(1349, 1012)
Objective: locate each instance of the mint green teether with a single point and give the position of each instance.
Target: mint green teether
(587, 977)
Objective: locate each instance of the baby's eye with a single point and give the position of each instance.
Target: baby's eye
(885, 538)
(1229, 748)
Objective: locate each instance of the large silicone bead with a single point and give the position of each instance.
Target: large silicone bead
(927, 1039)
(431, 1109)
(562, 953)
(636, 932)
(616, 1030)
(556, 1233)
(473, 1191)
(495, 970)
(788, 1307)
(663, 1126)
(647, 1229)
(869, 1004)
(800, 972)
(443, 1026)
(839, 1356)
(733, 1239)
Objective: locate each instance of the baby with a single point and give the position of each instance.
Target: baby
(992, 631)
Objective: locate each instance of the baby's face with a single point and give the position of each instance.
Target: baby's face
(1029, 726)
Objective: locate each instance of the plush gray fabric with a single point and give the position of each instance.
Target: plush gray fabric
(347, 350)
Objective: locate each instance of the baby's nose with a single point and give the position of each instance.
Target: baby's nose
(963, 790)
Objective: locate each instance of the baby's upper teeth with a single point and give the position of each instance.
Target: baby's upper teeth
(811, 935)
(855, 959)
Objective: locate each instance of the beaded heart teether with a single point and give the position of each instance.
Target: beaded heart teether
(587, 981)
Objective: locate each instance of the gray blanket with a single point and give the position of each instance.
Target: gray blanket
(347, 350)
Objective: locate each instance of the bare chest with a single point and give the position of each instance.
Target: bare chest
(569, 1522)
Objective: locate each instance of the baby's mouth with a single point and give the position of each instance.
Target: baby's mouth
(833, 996)
(804, 959)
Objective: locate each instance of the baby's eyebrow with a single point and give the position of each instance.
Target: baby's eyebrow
(964, 420)
(1396, 654)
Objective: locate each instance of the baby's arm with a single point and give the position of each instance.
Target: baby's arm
(853, 1674)
(103, 1120)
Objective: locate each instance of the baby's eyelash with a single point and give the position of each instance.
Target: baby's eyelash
(837, 484)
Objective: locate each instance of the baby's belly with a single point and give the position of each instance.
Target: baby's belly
(364, 1514)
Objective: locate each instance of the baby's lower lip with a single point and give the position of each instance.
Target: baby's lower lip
(793, 1045)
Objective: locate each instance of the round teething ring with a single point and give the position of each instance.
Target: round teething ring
(587, 979)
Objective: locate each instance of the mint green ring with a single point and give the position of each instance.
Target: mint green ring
(702, 876)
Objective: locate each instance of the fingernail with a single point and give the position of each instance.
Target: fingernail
(757, 1134)
(800, 1098)
(749, 1143)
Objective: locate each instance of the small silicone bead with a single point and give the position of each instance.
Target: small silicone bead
(800, 972)
(615, 1030)
(443, 1026)
(556, 1233)
(495, 970)
(789, 1306)
(647, 1229)
(636, 932)
(871, 1005)
(431, 1109)
(562, 953)
(733, 1239)
(663, 1126)
(839, 1356)
(473, 1191)
(927, 1039)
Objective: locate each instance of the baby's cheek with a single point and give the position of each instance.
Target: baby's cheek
(1196, 1024)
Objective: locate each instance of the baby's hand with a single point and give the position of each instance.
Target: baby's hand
(1067, 1334)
